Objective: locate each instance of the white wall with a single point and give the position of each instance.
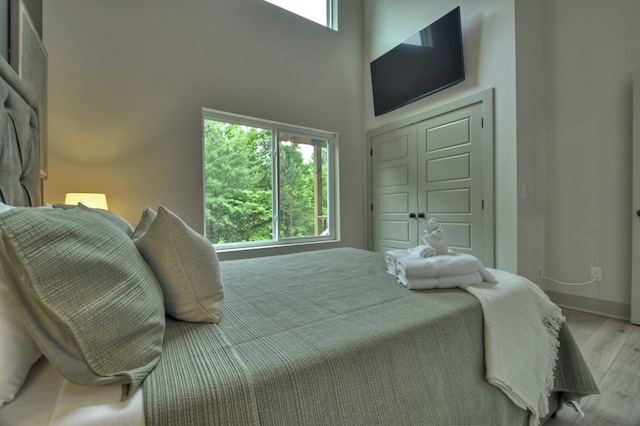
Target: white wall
(592, 54)
(531, 119)
(128, 79)
(489, 42)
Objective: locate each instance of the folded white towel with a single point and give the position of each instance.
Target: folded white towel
(391, 258)
(445, 265)
(434, 236)
(424, 250)
(453, 281)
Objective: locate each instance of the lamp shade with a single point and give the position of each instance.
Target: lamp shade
(96, 201)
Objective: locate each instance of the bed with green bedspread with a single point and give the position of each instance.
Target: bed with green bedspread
(318, 338)
(329, 338)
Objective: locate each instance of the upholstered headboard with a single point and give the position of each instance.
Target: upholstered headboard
(19, 142)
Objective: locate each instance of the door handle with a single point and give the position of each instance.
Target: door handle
(412, 215)
(422, 216)
(638, 213)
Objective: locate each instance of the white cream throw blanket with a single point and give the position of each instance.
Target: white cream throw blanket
(521, 328)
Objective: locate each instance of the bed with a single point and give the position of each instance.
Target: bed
(143, 325)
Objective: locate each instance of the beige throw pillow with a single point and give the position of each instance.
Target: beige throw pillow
(148, 215)
(186, 265)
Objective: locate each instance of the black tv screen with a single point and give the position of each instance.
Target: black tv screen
(427, 62)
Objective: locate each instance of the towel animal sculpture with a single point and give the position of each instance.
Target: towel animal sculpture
(434, 236)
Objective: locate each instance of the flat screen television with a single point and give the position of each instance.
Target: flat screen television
(430, 60)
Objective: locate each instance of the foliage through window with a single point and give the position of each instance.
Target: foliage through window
(266, 182)
(321, 11)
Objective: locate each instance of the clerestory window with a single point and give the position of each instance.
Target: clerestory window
(321, 11)
(267, 183)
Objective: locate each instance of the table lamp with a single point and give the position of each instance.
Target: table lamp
(96, 201)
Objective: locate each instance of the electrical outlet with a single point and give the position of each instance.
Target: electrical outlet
(596, 274)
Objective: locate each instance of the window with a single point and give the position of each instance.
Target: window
(266, 183)
(320, 11)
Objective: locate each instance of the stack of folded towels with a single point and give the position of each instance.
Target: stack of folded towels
(433, 265)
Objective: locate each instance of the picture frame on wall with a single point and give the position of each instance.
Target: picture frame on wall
(28, 57)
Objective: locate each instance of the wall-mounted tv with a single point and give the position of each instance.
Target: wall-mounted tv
(430, 60)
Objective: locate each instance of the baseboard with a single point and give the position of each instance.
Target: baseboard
(595, 306)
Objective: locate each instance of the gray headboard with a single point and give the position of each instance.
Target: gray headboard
(19, 142)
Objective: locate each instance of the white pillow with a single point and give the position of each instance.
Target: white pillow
(18, 351)
(4, 207)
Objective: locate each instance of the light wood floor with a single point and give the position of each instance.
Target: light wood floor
(611, 348)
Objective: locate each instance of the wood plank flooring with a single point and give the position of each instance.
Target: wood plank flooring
(611, 348)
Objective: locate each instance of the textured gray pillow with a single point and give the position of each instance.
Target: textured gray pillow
(87, 297)
(113, 217)
(186, 265)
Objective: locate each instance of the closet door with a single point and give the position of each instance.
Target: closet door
(451, 177)
(394, 189)
(436, 164)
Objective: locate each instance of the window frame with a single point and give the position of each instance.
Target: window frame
(276, 129)
(331, 13)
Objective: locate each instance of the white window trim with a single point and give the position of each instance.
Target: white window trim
(332, 172)
(331, 8)
(332, 14)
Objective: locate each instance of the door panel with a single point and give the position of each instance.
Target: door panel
(448, 134)
(448, 201)
(394, 149)
(458, 235)
(394, 175)
(394, 203)
(391, 230)
(450, 168)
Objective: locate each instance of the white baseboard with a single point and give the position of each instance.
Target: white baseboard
(594, 306)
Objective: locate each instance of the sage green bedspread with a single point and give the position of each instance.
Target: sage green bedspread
(329, 338)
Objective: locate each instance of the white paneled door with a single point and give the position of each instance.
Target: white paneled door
(440, 167)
